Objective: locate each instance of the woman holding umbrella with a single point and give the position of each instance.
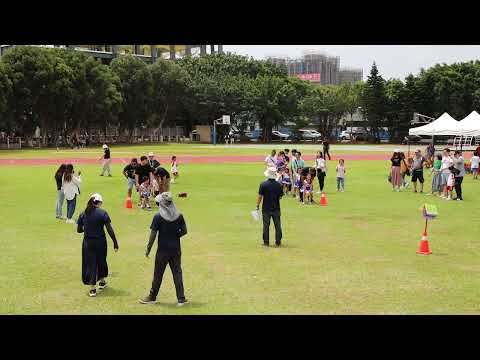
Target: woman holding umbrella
(94, 248)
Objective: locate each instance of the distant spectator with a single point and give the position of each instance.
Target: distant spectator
(396, 179)
(60, 194)
(417, 170)
(106, 161)
(152, 161)
(474, 165)
(326, 149)
(71, 189)
(459, 165)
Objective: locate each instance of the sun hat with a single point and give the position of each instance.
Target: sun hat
(166, 207)
(271, 173)
(96, 197)
(105, 146)
(150, 154)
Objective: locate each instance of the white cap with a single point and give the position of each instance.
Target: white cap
(96, 197)
(105, 146)
(396, 150)
(150, 153)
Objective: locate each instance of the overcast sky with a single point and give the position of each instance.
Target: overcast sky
(393, 61)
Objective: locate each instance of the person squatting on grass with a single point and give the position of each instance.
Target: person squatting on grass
(94, 247)
(340, 170)
(170, 226)
(60, 194)
(71, 188)
(174, 168)
(129, 173)
(269, 194)
(107, 160)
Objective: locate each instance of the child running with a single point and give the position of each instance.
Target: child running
(474, 164)
(286, 182)
(308, 190)
(174, 168)
(144, 192)
(341, 175)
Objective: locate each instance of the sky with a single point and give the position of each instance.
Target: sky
(393, 61)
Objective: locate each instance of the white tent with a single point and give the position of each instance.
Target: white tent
(444, 125)
(470, 126)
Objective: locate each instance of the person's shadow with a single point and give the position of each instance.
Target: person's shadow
(112, 292)
(190, 304)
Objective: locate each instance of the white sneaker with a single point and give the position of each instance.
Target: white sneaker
(318, 192)
(70, 221)
(406, 185)
(449, 198)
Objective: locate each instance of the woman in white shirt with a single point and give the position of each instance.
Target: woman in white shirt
(447, 161)
(321, 166)
(71, 188)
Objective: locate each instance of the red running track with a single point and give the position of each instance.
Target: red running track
(189, 159)
(186, 159)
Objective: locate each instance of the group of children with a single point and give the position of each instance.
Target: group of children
(298, 179)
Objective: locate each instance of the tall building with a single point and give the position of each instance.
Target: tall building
(318, 68)
(149, 53)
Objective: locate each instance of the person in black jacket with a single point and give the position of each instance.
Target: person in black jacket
(94, 248)
(170, 226)
(60, 193)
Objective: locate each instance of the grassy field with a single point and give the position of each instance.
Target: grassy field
(355, 256)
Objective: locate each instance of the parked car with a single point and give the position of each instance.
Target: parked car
(277, 135)
(312, 135)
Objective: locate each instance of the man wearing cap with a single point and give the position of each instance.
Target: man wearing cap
(152, 161)
(106, 160)
(417, 170)
(170, 226)
(269, 195)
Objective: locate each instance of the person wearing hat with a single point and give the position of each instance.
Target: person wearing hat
(170, 226)
(269, 194)
(94, 248)
(417, 170)
(106, 160)
(152, 161)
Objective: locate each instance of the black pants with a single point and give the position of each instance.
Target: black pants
(321, 179)
(275, 215)
(325, 153)
(174, 260)
(458, 187)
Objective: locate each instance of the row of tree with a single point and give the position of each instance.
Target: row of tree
(66, 92)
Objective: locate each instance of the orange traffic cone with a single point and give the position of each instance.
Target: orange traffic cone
(424, 248)
(128, 203)
(323, 199)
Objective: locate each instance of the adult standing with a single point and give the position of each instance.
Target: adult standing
(459, 164)
(271, 160)
(94, 248)
(170, 226)
(321, 166)
(396, 179)
(447, 162)
(129, 173)
(71, 188)
(107, 160)
(60, 194)
(417, 170)
(269, 194)
(298, 162)
(326, 149)
(154, 163)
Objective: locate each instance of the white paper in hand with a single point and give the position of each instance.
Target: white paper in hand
(256, 215)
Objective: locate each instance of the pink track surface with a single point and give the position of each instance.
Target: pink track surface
(188, 159)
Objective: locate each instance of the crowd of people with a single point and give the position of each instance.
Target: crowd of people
(298, 179)
(447, 169)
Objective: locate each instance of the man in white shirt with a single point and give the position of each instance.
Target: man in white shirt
(447, 162)
(271, 160)
(474, 165)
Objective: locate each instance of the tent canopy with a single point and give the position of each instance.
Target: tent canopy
(470, 126)
(444, 125)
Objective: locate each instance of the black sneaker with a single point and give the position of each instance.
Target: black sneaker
(92, 293)
(278, 245)
(147, 300)
(182, 303)
(102, 285)
(266, 244)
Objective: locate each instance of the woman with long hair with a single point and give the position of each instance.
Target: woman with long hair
(60, 195)
(396, 178)
(321, 166)
(94, 248)
(71, 188)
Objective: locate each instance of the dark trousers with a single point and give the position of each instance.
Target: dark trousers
(321, 179)
(275, 215)
(71, 204)
(174, 260)
(325, 153)
(458, 187)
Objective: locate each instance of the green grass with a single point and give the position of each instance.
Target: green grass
(355, 256)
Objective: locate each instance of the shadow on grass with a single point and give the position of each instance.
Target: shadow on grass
(108, 291)
(190, 304)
